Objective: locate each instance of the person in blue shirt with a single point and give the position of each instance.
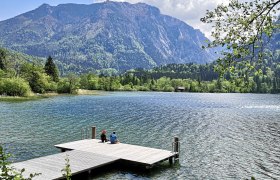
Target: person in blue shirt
(114, 138)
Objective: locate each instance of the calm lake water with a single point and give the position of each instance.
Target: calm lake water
(223, 136)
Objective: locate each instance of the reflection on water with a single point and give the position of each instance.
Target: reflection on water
(222, 136)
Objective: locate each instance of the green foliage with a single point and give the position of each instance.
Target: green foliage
(38, 80)
(14, 60)
(9, 173)
(67, 170)
(243, 28)
(192, 77)
(63, 86)
(2, 73)
(200, 81)
(14, 87)
(74, 83)
(179, 71)
(204, 79)
(33, 73)
(69, 85)
(3, 59)
(51, 69)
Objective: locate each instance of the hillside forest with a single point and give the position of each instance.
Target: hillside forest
(24, 76)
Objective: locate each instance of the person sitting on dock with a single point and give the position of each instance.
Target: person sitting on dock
(114, 138)
(103, 136)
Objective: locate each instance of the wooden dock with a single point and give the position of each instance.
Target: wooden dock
(138, 154)
(88, 154)
(50, 166)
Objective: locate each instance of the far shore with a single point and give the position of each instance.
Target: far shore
(19, 98)
(89, 92)
(36, 96)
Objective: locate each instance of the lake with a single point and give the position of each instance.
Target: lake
(223, 136)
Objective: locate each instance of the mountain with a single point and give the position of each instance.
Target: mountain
(14, 60)
(116, 35)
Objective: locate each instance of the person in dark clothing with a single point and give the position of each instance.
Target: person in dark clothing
(103, 136)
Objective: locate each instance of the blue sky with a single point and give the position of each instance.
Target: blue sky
(189, 11)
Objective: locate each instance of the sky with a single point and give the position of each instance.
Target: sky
(189, 11)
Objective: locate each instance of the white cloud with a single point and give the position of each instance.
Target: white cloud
(189, 11)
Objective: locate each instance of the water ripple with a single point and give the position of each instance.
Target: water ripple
(223, 136)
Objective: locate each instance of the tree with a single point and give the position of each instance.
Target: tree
(241, 28)
(14, 87)
(38, 80)
(74, 83)
(51, 69)
(2, 60)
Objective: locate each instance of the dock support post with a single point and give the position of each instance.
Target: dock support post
(93, 130)
(176, 147)
(170, 160)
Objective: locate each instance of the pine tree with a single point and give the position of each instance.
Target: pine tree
(2, 60)
(51, 69)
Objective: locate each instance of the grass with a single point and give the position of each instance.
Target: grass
(20, 99)
(31, 97)
(34, 96)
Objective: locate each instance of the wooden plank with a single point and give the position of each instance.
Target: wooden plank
(145, 155)
(51, 166)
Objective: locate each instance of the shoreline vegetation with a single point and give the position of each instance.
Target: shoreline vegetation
(37, 96)
(5, 98)
(31, 80)
(24, 98)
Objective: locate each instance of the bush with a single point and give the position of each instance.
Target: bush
(51, 86)
(142, 88)
(168, 89)
(7, 172)
(127, 87)
(14, 87)
(63, 86)
(39, 82)
(2, 73)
